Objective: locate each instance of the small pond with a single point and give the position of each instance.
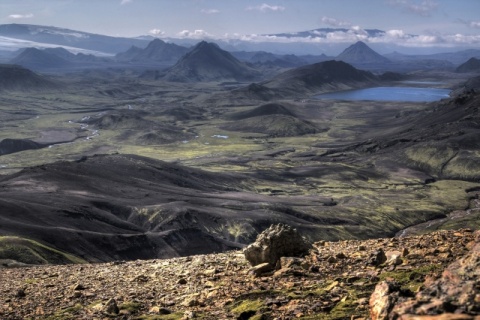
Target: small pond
(410, 94)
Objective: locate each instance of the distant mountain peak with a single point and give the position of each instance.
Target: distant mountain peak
(157, 50)
(39, 59)
(361, 53)
(472, 65)
(207, 62)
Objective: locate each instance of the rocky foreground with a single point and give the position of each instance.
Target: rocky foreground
(435, 275)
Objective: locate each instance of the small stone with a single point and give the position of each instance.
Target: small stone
(377, 258)
(159, 310)
(191, 300)
(340, 255)
(211, 272)
(189, 315)
(20, 293)
(111, 307)
(182, 281)
(331, 259)
(260, 269)
(79, 286)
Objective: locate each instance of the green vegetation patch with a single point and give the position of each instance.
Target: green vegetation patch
(130, 306)
(67, 313)
(411, 279)
(247, 306)
(32, 252)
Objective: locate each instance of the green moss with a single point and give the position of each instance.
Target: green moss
(172, 316)
(247, 306)
(411, 279)
(130, 306)
(67, 313)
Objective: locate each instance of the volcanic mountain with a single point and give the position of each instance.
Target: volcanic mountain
(156, 51)
(361, 54)
(14, 77)
(320, 77)
(471, 65)
(207, 62)
(40, 60)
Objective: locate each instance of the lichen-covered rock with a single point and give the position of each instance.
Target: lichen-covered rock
(456, 291)
(382, 300)
(275, 242)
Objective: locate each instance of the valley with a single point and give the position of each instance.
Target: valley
(162, 150)
(125, 167)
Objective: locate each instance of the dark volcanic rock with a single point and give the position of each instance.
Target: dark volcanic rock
(8, 146)
(323, 76)
(263, 110)
(14, 77)
(276, 125)
(471, 65)
(275, 242)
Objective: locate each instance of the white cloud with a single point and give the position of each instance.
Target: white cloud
(356, 33)
(210, 11)
(265, 7)
(157, 32)
(334, 22)
(423, 7)
(21, 16)
(124, 2)
(474, 24)
(196, 34)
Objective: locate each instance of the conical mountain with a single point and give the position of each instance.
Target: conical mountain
(39, 60)
(471, 65)
(360, 53)
(157, 50)
(207, 62)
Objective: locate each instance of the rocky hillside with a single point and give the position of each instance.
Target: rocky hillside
(17, 78)
(427, 275)
(472, 65)
(320, 77)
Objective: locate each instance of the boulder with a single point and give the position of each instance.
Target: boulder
(275, 242)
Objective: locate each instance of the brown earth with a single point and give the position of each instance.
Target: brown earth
(335, 281)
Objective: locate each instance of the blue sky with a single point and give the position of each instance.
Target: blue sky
(434, 21)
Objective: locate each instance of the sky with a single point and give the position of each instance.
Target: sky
(433, 22)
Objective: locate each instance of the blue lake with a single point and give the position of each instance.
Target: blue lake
(410, 94)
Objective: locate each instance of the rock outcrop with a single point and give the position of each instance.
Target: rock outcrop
(456, 292)
(275, 242)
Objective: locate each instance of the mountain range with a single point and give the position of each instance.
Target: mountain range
(156, 51)
(24, 35)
